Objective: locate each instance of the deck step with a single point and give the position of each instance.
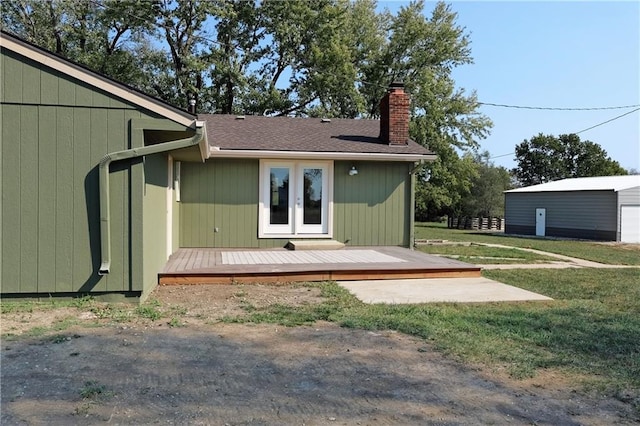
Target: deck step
(315, 245)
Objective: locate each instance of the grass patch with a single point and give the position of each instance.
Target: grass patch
(336, 298)
(623, 254)
(149, 312)
(175, 322)
(482, 254)
(28, 306)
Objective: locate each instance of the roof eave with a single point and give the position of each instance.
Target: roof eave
(216, 152)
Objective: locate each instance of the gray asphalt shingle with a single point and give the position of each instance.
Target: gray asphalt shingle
(228, 132)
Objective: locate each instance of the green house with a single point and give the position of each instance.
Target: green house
(102, 183)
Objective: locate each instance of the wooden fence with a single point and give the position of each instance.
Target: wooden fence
(477, 223)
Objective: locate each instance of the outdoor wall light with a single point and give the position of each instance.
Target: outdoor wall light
(353, 171)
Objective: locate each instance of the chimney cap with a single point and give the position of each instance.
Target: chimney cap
(396, 84)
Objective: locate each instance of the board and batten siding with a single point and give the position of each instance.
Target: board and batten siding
(372, 208)
(573, 214)
(219, 204)
(55, 131)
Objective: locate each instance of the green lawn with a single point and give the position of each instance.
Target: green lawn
(484, 255)
(623, 254)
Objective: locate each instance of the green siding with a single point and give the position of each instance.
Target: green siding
(48, 88)
(221, 194)
(55, 131)
(82, 164)
(10, 241)
(370, 209)
(12, 81)
(28, 197)
(154, 219)
(30, 85)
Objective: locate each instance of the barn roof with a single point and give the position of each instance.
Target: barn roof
(599, 183)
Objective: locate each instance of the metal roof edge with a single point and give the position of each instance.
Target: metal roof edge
(594, 183)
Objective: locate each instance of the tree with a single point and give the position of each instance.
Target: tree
(101, 36)
(442, 185)
(181, 26)
(546, 158)
(486, 198)
(422, 52)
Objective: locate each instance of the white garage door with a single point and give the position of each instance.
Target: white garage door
(630, 224)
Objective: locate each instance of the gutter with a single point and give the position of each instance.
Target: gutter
(103, 171)
(216, 152)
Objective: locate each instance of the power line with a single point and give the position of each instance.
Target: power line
(558, 108)
(608, 121)
(502, 155)
(581, 131)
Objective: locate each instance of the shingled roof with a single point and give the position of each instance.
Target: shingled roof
(230, 132)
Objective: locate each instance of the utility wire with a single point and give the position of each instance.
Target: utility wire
(581, 131)
(557, 108)
(608, 121)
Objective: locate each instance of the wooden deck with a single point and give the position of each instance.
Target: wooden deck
(225, 266)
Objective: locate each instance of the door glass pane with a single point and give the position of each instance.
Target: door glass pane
(279, 196)
(312, 212)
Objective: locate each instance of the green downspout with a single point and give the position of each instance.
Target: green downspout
(105, 225)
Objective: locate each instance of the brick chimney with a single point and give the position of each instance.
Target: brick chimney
(394, 115)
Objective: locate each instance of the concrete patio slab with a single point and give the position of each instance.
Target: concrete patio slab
(431, 290)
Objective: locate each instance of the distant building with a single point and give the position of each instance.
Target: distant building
(597, 208)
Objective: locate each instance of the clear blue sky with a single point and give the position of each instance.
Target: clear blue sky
(553, 54)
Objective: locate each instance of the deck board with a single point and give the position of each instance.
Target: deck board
(209, 265)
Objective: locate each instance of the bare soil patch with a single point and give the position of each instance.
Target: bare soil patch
(209, 372)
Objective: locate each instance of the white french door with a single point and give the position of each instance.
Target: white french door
(295, 198)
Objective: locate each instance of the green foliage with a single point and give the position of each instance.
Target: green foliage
(7, 307)
(461, 186)
(175, 322)
(109, 311)
(102, 38)
(92, 390)
(486, 197)
(546, 158)
(149, 311)
(442, 185)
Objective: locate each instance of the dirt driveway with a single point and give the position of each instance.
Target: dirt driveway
(208, 372)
